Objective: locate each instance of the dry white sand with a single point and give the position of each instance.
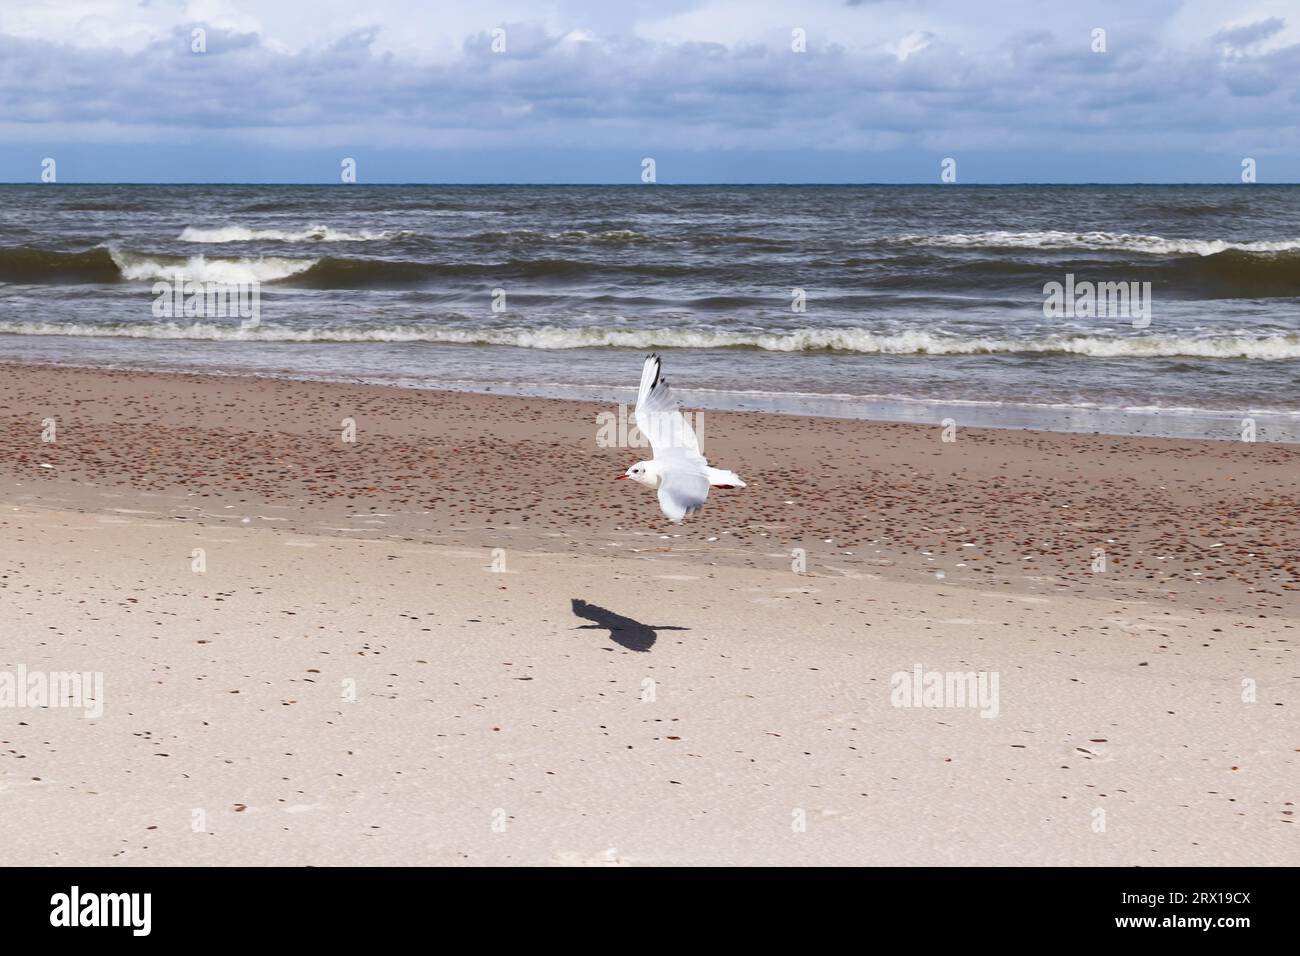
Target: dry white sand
(492, 725)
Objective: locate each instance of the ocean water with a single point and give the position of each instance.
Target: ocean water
(894, 302)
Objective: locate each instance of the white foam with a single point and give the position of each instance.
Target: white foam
(1053, 239)
(1264, 347)
(202, 269)
(310, 234)
(609, 235)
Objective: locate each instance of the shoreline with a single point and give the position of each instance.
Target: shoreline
(1208, 522)
(1277, 426)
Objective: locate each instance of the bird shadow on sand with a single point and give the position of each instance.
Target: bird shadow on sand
(623, 631)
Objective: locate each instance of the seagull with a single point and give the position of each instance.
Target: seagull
(678, 471)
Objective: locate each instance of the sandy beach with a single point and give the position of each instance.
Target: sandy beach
(456, 640)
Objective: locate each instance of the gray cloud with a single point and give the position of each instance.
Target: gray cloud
(1251, 33)
(1034, 87)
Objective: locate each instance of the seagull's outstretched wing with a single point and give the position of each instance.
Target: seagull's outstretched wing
(659, 418)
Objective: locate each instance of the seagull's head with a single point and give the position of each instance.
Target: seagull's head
(643, 471)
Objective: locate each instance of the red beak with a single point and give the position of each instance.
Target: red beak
(620, 477)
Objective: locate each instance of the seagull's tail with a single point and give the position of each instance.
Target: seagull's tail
(718, 478)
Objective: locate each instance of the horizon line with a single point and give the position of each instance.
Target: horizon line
(113, 182)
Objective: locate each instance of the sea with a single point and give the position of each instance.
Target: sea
(1141, 310)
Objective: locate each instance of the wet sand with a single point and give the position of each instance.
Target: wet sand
(458, 640)
(1203, 523)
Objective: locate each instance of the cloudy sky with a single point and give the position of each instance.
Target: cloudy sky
(713, 90)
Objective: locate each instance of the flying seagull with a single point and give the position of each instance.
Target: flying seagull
(678, 471)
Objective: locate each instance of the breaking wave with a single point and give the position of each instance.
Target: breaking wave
(105, 264)
(30, 265)
(310, 234)
(1265, 347)
(1192, 268)
(23, 264)
(1099, 241)
(202, 269)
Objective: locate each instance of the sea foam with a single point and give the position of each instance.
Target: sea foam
(310, 234)
(1052, 239)
(202, 269)
(1270, 347)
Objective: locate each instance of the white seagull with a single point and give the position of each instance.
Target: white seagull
(678, 470)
